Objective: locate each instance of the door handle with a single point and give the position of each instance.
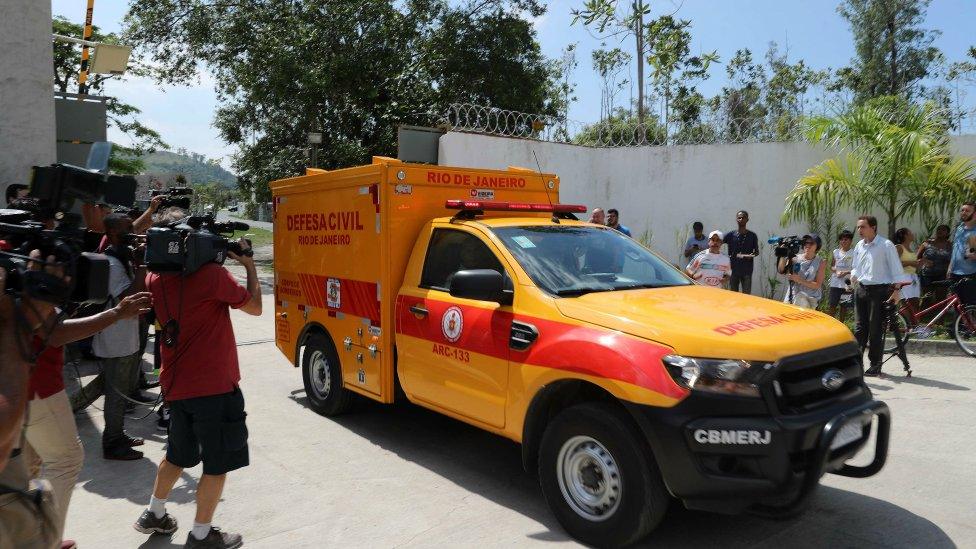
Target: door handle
(418, 310)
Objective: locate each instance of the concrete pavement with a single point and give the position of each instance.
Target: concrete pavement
(405, 477)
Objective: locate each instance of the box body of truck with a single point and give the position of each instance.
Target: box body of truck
(342, 242)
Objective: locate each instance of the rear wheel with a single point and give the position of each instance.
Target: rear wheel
(599, 479)
(322, 376)
(965, 330)
(896, 322)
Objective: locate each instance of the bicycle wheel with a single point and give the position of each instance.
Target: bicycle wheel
(896, 322)
(965, 330)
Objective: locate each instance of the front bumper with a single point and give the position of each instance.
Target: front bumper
(752, 460)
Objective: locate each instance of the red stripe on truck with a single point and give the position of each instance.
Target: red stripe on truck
(592, 351)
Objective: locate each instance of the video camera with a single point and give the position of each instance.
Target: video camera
(175, 196)
(786, 246)
(83, 276)
(185, 246)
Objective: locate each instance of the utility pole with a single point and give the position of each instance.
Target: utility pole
(83, 75)
(639, 33)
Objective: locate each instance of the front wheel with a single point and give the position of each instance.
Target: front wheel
(965, 330)
(322, 376)
(599, 479)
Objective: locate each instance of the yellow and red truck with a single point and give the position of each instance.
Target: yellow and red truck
(476, 294)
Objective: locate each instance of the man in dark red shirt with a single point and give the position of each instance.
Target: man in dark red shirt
(199, 379)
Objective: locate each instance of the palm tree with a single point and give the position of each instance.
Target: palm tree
(893, 160)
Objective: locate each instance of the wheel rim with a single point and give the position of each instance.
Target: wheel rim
(319, 375)
(966, 330)
(589, 478)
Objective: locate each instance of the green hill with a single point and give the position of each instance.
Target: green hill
(196, 167)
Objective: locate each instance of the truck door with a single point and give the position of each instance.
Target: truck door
(452, 353)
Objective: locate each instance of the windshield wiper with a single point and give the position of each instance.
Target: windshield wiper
(639, 286)
(581, 291)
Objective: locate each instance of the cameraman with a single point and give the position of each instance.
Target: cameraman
(806, 279)
(199, 380)
(117, 346)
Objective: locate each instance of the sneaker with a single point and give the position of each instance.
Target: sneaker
(149, 523)
(873, 371)
(121, 453)
(922, 332)
(69, 544)
(215, 539)
(163, 422)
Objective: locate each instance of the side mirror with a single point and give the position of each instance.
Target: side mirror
(480, 284)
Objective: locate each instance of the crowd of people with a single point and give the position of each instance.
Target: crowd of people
(41, 455)
(859, 277)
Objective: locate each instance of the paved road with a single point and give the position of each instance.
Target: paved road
(405, 477)
(224, 215)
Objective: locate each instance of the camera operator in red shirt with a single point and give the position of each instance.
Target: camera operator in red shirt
(199, 378)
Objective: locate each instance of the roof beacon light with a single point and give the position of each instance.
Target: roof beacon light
(513, 206)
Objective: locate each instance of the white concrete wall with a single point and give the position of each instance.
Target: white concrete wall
(660, 191)
(26, 99)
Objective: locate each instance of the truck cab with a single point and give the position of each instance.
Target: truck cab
(626, 384)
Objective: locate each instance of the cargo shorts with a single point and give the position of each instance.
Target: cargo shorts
(211, 429)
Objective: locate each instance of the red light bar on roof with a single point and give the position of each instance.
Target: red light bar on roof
(513, 206)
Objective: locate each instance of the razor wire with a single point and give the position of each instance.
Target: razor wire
(712, 128)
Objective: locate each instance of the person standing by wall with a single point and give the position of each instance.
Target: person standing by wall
(841, 299)
(597, 216)
(807, 276)
(710, 267)
(613, 221)
(743, 247)
(877, 268)
(697, 241)
(904, 238)
(963, 261)
(933, 262)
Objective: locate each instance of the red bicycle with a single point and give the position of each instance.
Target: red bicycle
(964, 328)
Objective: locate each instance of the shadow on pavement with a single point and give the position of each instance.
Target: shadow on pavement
(131, 480)
(491, 467)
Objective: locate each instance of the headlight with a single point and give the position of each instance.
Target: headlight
(723, 376)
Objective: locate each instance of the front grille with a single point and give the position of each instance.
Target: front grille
(799, 386)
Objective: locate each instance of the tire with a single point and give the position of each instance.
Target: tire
(899, 322)
(597, 443)
(964, 330)
(322, 376)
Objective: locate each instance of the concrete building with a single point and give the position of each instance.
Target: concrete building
(27, 132)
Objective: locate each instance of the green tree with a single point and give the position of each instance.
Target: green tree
(67, 61)
(893, 51)
(350, 70)
(622, 128)
(609, 64)
(672, 64)
(894, 158)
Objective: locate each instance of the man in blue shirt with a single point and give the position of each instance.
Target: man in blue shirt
(613, 221)
(963, 262)
(696, 242)
(876, 268)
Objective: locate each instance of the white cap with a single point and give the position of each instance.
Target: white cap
(716, 233)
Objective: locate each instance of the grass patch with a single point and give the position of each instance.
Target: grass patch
(259, 237)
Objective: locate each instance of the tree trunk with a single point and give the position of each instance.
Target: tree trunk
(893, 45)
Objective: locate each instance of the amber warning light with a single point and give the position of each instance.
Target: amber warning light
(513, 206)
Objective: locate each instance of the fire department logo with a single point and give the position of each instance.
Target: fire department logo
(451, 324)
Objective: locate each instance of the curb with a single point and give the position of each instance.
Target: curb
(931, 347)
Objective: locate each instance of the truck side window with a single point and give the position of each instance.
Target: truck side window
(452, 251)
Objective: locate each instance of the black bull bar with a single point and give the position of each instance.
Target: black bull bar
(821, 460)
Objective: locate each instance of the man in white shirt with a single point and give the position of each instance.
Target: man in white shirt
(118, 345)
(876, 268)
(711, 267)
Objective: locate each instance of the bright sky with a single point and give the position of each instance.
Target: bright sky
(811, 29)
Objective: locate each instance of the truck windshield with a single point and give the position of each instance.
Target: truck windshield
(573, 260)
